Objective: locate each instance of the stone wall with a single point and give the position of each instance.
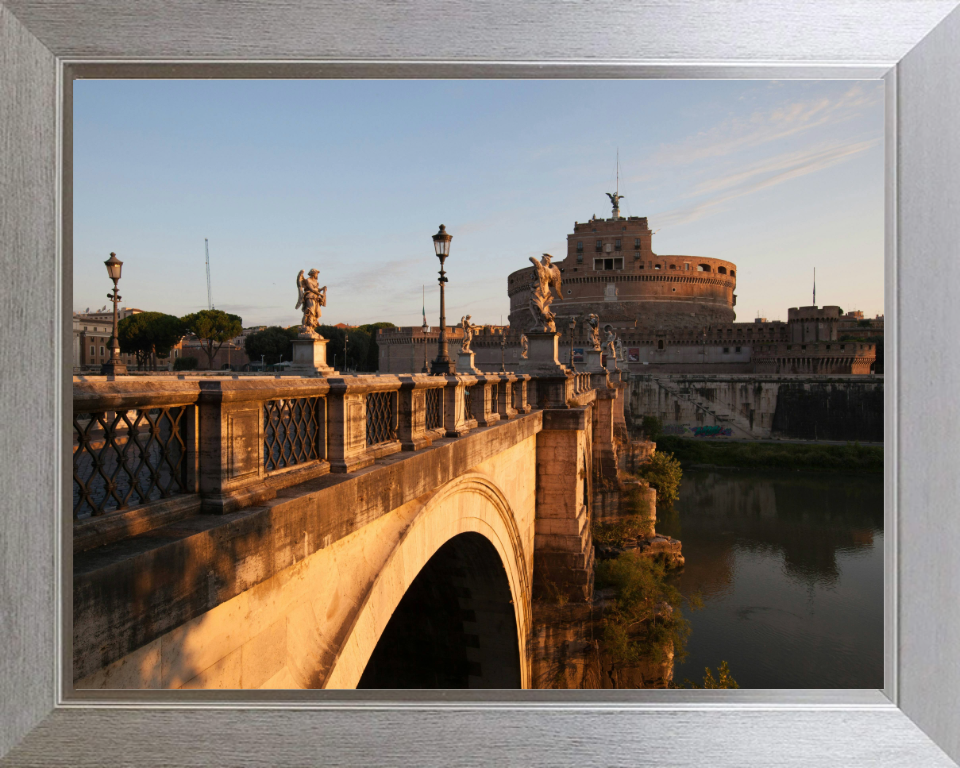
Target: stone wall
(758, 406)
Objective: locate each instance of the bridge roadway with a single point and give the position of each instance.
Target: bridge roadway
(330, 533)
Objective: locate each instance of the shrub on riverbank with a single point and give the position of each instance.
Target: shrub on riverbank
(644, 621)
(852, 457)
(664, 474)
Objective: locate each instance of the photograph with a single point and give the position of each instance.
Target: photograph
(546, 394)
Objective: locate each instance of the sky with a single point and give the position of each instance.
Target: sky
(353, 177)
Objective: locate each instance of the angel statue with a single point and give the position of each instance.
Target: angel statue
(615, 198)
(468, 331)
(593, 334)
(619, 345)
(610, 342)
(311, 297)
(545, 277)
(524, 346)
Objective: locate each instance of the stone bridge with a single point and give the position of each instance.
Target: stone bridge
(365, 531)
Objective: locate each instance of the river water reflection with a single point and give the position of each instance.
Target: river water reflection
(791, 572)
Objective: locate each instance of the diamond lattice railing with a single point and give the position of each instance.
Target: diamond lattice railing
(381, 417)
(126, 458)
(291, 432)
(434, 404)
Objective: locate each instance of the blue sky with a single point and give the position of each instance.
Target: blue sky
(353, 178)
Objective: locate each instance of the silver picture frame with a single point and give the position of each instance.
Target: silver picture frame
(914, 45)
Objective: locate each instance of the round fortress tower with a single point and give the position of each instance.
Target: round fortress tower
(610, 270)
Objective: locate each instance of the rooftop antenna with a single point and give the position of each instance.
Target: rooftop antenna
(814, 286)
(206, 247)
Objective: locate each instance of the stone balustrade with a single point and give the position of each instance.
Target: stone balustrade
(148, 451)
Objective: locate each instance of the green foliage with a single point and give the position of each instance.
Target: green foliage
(617, 533)
(213, 327)
(645, 621)
(272, 344)
(852, 457)
(147, 333)
(723, 679)
(373, 350)
(664, 474)
(652, 427)
(185, 364)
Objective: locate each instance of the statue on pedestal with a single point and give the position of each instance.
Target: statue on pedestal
(593, 334)
(311, 297)
(546, 276)
(619, 346)
(468, 331)
(610, 342)
(524, 346)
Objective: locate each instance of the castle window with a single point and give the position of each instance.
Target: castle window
(656, 266)
(637, 256)
(726, 350)
(703, 267)
(636, 243)
(736, 349)
(579, 257)
(722, 270)
(599, 245)
(660, 344)
(641, 265)
(733, 273)
(673, 266)
(686, 266)
(580, 246)
(618, 263)
(617, 245)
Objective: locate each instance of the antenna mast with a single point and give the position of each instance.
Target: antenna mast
(206, 247)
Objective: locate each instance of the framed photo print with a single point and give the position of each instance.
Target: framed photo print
(430, 385)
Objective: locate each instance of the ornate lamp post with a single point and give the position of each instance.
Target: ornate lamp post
(114, 366)
(443, 365)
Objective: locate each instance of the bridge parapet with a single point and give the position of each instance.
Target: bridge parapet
(147, 452)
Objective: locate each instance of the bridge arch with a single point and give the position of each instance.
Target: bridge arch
(469, 522)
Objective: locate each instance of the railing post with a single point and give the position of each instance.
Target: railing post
(505, 408)
(347, 430)
(454, 409)
(412, 415)
(485, 407)
(523, 392)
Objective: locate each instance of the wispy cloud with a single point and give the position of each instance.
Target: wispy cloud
(762, 127)
(762, 175)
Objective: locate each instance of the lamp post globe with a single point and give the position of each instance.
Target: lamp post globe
(114, 366)
(443, 365)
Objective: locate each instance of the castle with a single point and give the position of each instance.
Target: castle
(673, 314)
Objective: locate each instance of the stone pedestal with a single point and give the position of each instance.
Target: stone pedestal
(465, 363)
(593, 361)
(611, 364)
(542, 355)
(310, 358)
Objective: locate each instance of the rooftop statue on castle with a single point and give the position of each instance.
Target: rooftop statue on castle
(311, 297)
(546, 276)
(593, 332)
(615, 198)
(468, 331)
(619, 345)
(524, 346)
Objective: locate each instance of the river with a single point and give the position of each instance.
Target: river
(790, 568)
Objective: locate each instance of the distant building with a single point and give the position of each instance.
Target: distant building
(673, 314)
(92, 332)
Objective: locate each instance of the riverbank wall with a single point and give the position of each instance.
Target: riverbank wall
(756, 406)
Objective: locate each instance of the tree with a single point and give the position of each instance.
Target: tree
(272, 344)
(149, 333)
(185, 364)
(664, 474)
(213, 327)
(373, 350)
(358, 343)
